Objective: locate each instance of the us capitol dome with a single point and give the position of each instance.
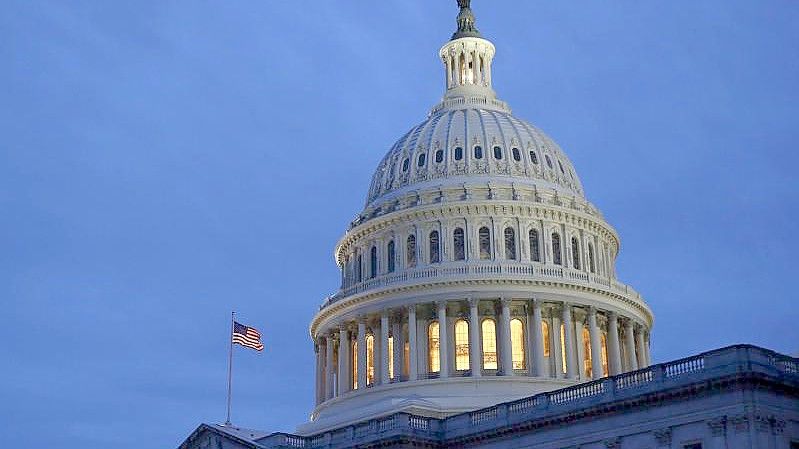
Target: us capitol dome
(477, 272)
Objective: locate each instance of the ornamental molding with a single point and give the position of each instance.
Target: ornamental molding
(718, 426)
(740, 423)
(612, 443)
(663, 437)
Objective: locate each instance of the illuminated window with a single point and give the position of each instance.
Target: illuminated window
(433, 350)
(533, 157)
(435, 255)
(410, 251)
(510, 243)
(406, 359)
(517, 343)
(461, 345)
(391, 357)
(489, 344)
(354, 360)
(391, 256)
(458, 153)
(591, 265)
(458, 244)
(516, 155)
(439, 156)
(535, 247)
(373, 262)
(497, 153)
(605, 370)
(587, 367)
(556, 253)
(485, 243)
(563, 347)
(546, 338)
(421, 160)
(370, 359)
(575, 253)
(478, 152)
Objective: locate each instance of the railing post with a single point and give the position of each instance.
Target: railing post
(609, 385)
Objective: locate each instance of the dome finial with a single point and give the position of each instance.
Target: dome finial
(466, 26)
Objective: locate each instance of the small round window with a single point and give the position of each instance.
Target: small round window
(422, 159)
(549, 161)
(458, 153)
(405, 164)
(516, 155)
(478, 152)
(439, 156)
(497, 153)
(533, 157)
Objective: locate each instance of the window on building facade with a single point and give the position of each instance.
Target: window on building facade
(587, 367)
(410, 251)
(391, 357)
(373, 262)
(533, 157)
(549, 161)
(458, 244)
(433, 349)
(370, 359)
(435, 248)
(489, 328)
(517, 156)
(556, 252)
(535, 246)
(604, 343)
(406, 359)
(439, 156)
(391, 257)
(517, 343)
(563, 348)
(422, 158)
(591, 263)
(461, 345)
(359, 269)
(354, 363)
(547, 339)
(484, 236)
(561, 168)
(497, 153)
(478, 152)
(510, 244)
(575, 253)
(699, 446)
(458, 153)
(406, 164)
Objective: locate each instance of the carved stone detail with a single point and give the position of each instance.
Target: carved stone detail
(663, 437)
(740, 423)
(718, 426)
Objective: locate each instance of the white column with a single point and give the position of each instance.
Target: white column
(571, 357)
(639, 347)
(614, 351)
(319, 375)
(475, 350)
(443, 339)
(596, 344)
(399, 346)
(541, 369)
(629, 345)
(579, 347)
(413, 371)
(329, 368)
(361, 352)
(530, 339)
(505, 354)
(343, 360)
(557, 347)
(384, 355)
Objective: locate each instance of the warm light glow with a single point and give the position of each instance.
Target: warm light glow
(354, 358)
(605, 370)
(587, 367)
(546, 338)
(489, 344)
(517, 343)
(563, 347)
(391, 357)
(461, 345)
(370, 359)
(433, 353)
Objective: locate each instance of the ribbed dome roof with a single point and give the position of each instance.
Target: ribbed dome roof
(472, 145)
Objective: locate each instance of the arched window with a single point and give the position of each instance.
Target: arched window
(410, 251)
(435, 255)
(556, 253)
(604, 343)
(458, 153)
(489, 344)
(546, 338)
(405, 164)
(373, 262)
(533, 157)
(359, 269)
(591, 264)
(478, 152)
(370, 359)
(510, 243)
(517, 343)
(549, 161)
(433, 350)
(421, 160)
(458, 244)
(461, 345)
(535, 247)
(354, 363)
(497, 152)
(391, 257)
(439, 156)
(485, 243)
(587, 367)
(561, 168)
(575, 253)
(516, 155)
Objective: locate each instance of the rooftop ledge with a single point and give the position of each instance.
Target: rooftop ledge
(733, 363)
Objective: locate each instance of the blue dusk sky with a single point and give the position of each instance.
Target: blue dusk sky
(162, 163)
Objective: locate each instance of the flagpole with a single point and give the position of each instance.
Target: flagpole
(230, 366)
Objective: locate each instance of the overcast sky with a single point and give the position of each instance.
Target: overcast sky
(162, 163)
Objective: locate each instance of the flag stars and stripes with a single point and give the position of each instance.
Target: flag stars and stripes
(247, 336)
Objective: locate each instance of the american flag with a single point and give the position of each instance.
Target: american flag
(247, 336)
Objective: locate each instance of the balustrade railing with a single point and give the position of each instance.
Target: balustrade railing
(684, 366)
